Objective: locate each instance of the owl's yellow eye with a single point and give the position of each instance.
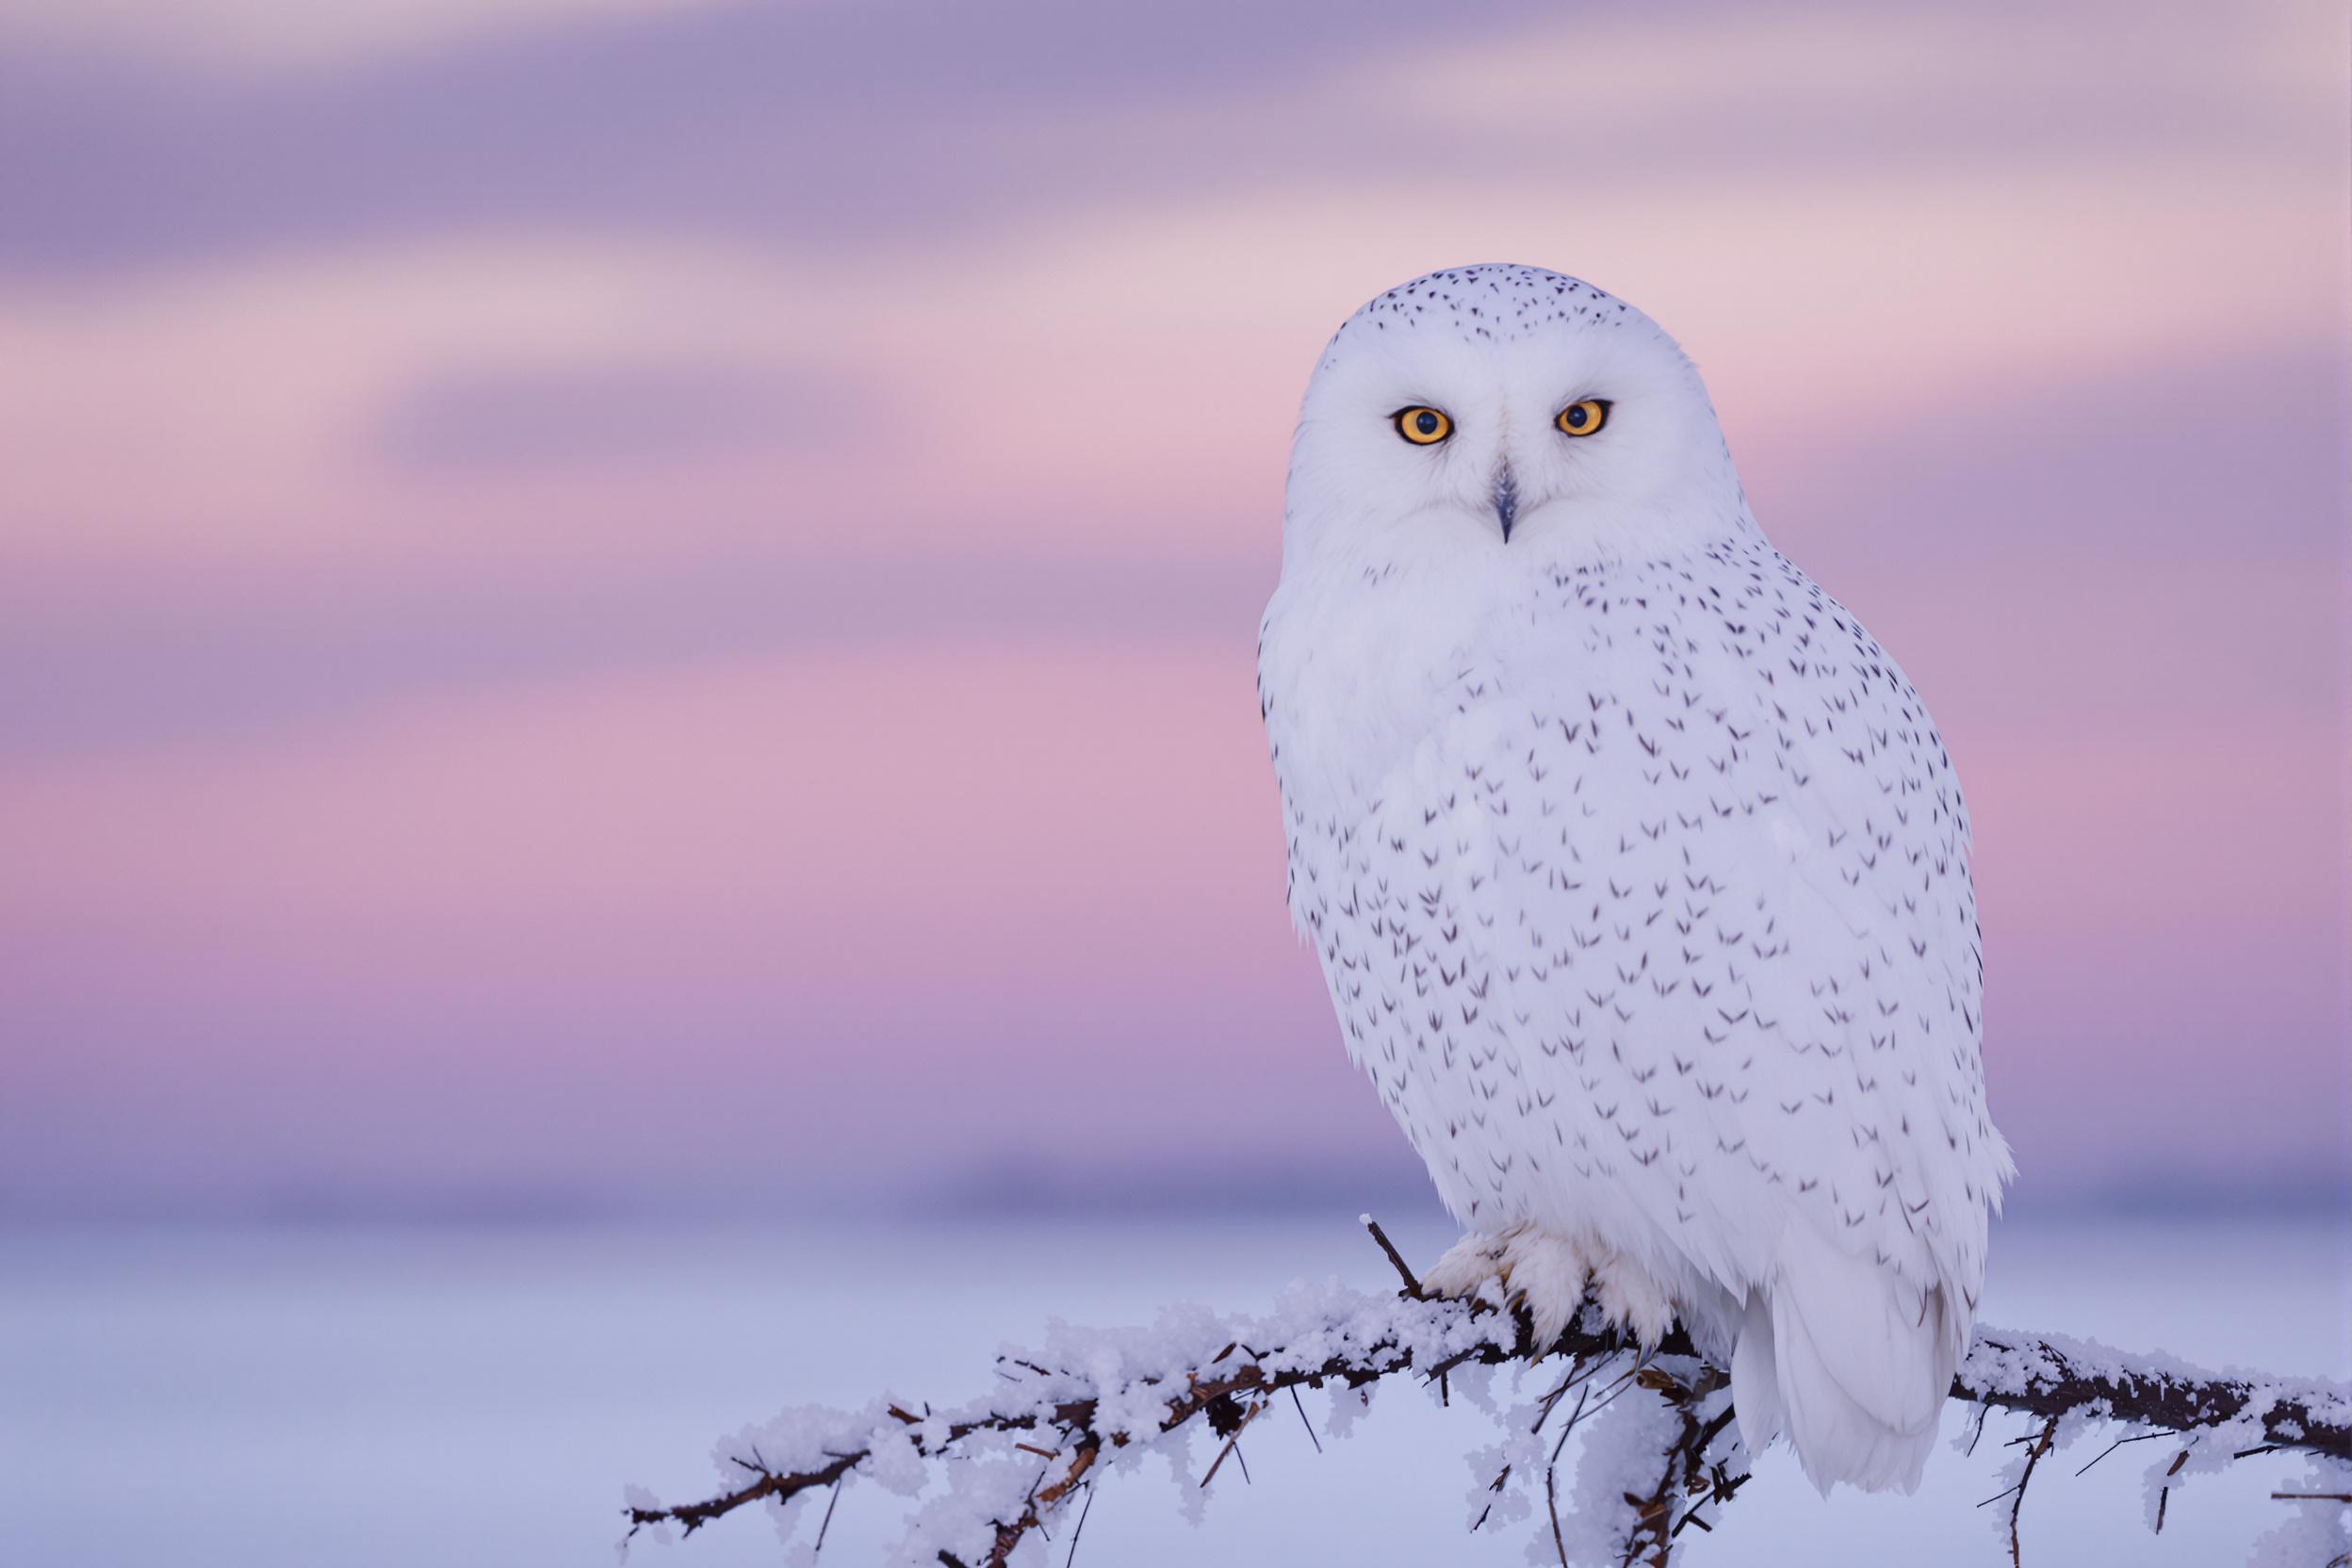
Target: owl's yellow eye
(1423, 426)
(1583, 418)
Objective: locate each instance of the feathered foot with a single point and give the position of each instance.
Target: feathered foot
(1548, 1273)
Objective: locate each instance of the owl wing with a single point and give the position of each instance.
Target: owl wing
(1730, 907)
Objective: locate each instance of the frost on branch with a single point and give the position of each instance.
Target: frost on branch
(987, 1481)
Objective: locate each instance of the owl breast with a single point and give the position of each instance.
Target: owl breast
(1642, 898)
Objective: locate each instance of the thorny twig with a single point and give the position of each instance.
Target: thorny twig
(2041, 1441)
(2041, 1377)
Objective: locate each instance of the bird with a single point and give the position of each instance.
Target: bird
(1636, 871)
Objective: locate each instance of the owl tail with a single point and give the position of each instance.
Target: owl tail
(1848, 1361)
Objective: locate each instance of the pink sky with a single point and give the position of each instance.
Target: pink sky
(655, 608)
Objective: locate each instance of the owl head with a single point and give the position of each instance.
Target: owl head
(1521, 418)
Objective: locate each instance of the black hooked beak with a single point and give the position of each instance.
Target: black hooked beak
(1506, 499)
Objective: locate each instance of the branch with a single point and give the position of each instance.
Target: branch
(2050, 1375)
(1097, 1395)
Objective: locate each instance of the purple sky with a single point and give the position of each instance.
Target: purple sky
(652, 606)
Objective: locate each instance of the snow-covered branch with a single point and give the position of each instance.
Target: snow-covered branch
(992, 1475)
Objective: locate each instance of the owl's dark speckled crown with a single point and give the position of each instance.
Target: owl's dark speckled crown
(1494, 302)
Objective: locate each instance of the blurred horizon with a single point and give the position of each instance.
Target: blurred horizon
(995, 1194)
(647, 609)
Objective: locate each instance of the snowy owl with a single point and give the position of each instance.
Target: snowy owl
(1637, 870)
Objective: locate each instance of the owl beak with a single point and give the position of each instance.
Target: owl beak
(1506, 499)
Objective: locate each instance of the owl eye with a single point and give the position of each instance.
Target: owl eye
(1423, 426)
(1583, 418)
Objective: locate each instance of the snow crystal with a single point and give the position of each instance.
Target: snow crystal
(1192, 1499)
(1622, 1455)
(2318, 1530)
(1473, 1383)
(961, 1520)
(1349, 1406)
(894, 1459)
(635, 1496)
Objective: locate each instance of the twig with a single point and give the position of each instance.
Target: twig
(1074, 1534)
(1982, 1412)
(827, 1523)
(1651, 1536)
(2163, 1495)
(1551, 1500)
(1581, 1370)
(1232, 1444)
(2017, 1504)
(1302, 1420)
(1412, 1283)
(1494, 1485)
(2143, 1437)
(1040, 1500)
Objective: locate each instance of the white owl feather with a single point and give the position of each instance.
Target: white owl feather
(1637, 870)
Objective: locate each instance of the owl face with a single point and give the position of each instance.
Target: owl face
(1510, 411)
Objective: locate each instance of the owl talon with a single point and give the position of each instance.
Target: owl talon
(1523, 1266)
(1467, 1266)
(1546, 1273)
(1632, 1301)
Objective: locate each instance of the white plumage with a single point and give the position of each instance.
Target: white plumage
(1637, 869)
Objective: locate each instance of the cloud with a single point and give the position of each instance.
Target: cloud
(822, 126)
(268, 494)
(594, 416)
(269, 35)
(790, 121)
